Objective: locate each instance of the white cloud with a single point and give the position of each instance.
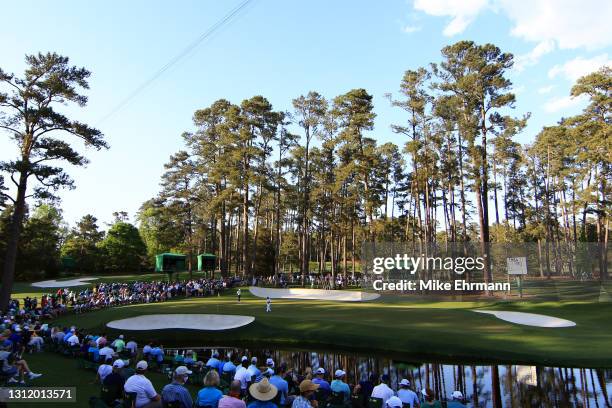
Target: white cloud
(564, 103)
(546, 89)
(566, 24)
(533, 56)
(411, 28)
(570, 24)
(462, 13)
(577, 67)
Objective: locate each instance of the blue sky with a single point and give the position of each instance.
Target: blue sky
(279, 49)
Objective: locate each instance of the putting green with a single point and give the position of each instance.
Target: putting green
(394, 325)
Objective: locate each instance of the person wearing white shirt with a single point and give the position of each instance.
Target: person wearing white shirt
(243, 375)
(73, 340)
(407, 396)
(103, 371)
(132, 346)
(106, 353)
(382, 390)
(146, 396)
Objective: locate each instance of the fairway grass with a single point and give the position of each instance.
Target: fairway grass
(418, 328)
(393, 326)
(63, 371)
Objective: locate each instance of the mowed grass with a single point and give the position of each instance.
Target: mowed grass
(392, 326)
(63, 371)
(419, 328)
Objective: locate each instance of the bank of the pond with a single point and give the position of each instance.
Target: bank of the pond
(393, 326)
(522, 385)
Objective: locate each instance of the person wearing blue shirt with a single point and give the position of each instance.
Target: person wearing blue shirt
(68, 335)
(210, 395)
(157, 353)
(228, 366)
(213, 362)
(263, 393)
(324, 386)
(176, 390)
(281, 385)
(94, 350)
(338, 385)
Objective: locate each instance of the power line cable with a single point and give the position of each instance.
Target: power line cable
(206, 34)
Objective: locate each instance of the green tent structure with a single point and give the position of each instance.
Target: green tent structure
(170, 263)
(207, 262)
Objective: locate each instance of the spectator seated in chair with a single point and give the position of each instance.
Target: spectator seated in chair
(210, 395)
(429, 399)
(146, 396)
(232, 399)
(324, 388)
(307, 392)
(338, 386)
(394, 402)
(112, 385)
(382, 390)
(408, 396)
(456, 401)
(12, 365)
(262, 393)
(175, 394)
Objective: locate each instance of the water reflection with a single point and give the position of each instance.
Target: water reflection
(483, 386)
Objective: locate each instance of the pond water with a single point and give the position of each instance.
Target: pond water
(482, 385)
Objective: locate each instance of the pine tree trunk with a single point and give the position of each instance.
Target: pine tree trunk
(10, 255)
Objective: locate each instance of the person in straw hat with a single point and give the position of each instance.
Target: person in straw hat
(263, 393)
(305, 399)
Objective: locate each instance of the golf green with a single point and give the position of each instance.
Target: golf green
(397, 326)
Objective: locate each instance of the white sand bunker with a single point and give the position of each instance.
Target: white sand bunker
(62, 284)
(314, 294)
(529, 319)
(181, 321)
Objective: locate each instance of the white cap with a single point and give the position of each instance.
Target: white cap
(394, 402)
(405, 382)
(269, 362)
(121, 336)
(182, 370)
(254, 360)
(320, 370)
(142, 365)
(457, 395)
(17, 329)
(119, 363)
(424, 392)
(339, 373)
(244, 358)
